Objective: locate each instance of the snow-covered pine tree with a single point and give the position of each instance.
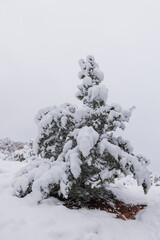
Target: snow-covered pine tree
(101, 156)
(80, 153)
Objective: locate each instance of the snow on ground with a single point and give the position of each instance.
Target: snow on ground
(24, 219)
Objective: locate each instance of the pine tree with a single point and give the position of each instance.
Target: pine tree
(80, 154)
(102, 157)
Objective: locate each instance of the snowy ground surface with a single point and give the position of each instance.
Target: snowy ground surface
(24, 219)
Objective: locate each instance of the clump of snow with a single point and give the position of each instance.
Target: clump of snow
(99, 92)
(86, 140)
(99, 74)
(75, 162)
(67, 146)
(112, 149)
(52, 177)
(87, 81)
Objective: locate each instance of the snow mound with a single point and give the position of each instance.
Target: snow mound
(23, 219)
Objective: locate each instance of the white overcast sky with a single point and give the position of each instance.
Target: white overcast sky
(41, 42)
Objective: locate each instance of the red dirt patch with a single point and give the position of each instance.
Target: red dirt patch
(120, 209)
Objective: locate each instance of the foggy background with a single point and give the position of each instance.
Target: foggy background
(41, 42)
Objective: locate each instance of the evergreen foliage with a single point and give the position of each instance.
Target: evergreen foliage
(80, 155)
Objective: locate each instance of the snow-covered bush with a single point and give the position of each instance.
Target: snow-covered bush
(80, 153)
(7, 146)
(26, 153)
(8, 149)
(16, 151)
